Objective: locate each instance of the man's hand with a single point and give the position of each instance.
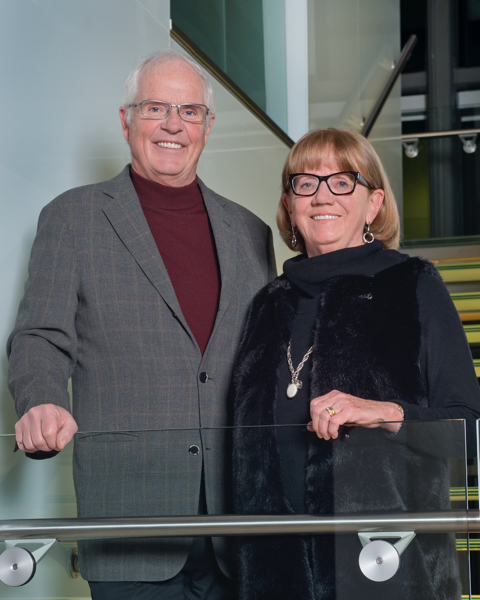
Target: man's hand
(45, 427)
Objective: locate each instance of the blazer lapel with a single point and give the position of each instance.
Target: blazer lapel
(225, 242)
(128, 220)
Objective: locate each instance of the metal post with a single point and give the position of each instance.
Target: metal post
(445, 207)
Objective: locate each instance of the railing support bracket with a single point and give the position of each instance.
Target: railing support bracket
(469, 142)
(379, 560)
(18, 565)
(411, 148)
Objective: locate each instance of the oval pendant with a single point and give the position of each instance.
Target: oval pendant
(292, 389)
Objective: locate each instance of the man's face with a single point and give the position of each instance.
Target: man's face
(167, 151)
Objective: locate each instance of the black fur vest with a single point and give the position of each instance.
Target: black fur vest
(367, 343)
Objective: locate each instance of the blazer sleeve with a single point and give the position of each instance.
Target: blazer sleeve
(42, 348)
(272, 265)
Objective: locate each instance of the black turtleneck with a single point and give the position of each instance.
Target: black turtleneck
(445, 358)
(308, 274)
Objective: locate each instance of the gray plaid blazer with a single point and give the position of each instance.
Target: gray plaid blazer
(99, 307)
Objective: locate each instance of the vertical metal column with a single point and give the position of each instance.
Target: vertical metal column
(445, 212)
(296, 39)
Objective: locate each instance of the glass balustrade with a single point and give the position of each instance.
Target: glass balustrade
(441, 187)
(231, 34)
(304, 64)
(440, 170)
(385, 512)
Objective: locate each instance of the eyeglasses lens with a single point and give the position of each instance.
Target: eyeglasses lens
(339, 183)
(193, 113)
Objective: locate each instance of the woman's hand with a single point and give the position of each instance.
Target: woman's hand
(330, 411)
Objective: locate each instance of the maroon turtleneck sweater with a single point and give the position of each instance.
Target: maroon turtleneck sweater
(179, 223)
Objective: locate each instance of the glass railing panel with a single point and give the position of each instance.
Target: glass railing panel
(441, 187)
(305, 65)
(232, 36)
(34, 489)
(350, 62)
(322, 494)
(302, 66)
(351, 56)
(374, 473)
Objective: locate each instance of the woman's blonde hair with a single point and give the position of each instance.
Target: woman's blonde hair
(352, 152)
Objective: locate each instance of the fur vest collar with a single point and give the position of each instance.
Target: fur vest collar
(367, 343)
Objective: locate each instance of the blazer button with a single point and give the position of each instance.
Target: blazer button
(194, 450)
(203, 377)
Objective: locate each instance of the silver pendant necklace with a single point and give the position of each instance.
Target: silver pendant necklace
(295, 384)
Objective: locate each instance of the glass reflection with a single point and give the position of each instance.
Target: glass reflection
(421, 469)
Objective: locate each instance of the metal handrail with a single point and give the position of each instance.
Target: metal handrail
(437, 134)
(189, 45)
(405, 137)
(402, 61)
(455, 521)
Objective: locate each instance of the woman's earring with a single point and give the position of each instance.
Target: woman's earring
(368, 236)
(294, 238)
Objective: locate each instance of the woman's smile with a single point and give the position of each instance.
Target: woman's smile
(323, 217)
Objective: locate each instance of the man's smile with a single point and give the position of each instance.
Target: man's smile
(171, 145)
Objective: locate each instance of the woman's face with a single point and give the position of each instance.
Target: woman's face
(328, 222)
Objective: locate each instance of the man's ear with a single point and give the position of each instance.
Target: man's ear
(123, 119)
(211, 121)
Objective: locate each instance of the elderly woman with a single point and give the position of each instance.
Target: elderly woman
(353, 332)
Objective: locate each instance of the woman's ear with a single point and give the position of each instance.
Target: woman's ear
(287, 206)
(375, 202)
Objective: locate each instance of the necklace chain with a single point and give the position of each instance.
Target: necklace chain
(296, 384)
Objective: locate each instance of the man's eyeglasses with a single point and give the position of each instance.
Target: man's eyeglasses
(155, 109)
(306, 184)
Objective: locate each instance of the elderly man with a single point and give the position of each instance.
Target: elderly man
(138, 290)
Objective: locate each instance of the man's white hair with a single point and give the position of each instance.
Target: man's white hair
(154, 61)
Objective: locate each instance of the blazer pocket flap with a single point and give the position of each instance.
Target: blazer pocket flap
(110, 437)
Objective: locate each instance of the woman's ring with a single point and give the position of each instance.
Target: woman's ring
(331, 411)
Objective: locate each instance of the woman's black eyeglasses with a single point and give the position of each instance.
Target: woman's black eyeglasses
(345, 182)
